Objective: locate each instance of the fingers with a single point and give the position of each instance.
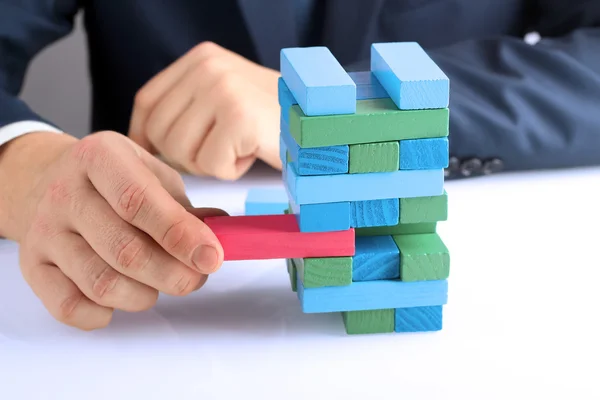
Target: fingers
(224, 159)
(150, 94)
(138, 197)
(131, 254)
(188, 133)
(148, 97)
(97, 280)
(63, 299)
(167, 110)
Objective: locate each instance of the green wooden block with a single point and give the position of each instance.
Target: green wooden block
(418, 210)
(374, 157)
(291, 268)
(324, 271)
(371, 321)
(377, 120)
(423, 257)
(400, 229)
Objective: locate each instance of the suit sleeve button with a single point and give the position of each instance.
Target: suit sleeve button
(470, 167)
(492, 166)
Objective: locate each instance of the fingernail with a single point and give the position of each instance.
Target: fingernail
(205, 258)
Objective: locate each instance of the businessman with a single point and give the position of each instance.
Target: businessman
(103, 224)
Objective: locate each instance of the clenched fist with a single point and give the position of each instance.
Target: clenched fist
(212, 112)
(102, 225)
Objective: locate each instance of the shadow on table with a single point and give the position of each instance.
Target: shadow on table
(265, 312)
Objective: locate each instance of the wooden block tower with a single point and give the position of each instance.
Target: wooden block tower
(367, 151)
(363, 159)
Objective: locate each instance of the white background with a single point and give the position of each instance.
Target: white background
(521, 323)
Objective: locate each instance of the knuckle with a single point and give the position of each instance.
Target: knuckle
(131, 201)
(242, 113)
(174, 237)
(226, 86)
(67, 308)
(205, 48)
(91, 148)
(211, 66)
(42, 226)
(183, 285)
(58, 193)
(133, 254)
(143, 99)
(104, 283)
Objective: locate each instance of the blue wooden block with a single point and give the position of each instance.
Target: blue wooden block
(431, 153)
(317, 81)
(286, 99)
(368, 213)
(283, 149)
(367, 86)
(266, 201)
(375, 258)
(418, 319)
(410, 77)
(373, 295)
(322, 217)
(359, 187)
(328, 160)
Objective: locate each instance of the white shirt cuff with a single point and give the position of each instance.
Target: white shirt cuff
(16, 129)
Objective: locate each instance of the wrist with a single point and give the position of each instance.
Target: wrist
(23, 162)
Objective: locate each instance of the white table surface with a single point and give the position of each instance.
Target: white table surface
(521, 323)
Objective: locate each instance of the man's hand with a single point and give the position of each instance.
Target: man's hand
(106, 226)
(211, 112)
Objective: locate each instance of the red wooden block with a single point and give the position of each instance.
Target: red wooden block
(266, 237)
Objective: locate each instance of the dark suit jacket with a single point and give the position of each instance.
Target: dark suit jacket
(531, 107)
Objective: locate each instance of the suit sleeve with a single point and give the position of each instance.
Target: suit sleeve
(26, 27)
(526, 106)
(532, 107)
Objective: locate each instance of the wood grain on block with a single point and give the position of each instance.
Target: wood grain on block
(410, 77)
(375, 121)
(423, 257)
(327, 160)
(372, 295)
(292, 272)
(375, 258)
(430, 153)
(368, 213)
(266, 237)
(360, 187)
(374, 157)
(324, 271)
(418, 210)
(325, 217)
(370, 321)
(418, 319)
(266, 201)
(400, 229)
(317, 81)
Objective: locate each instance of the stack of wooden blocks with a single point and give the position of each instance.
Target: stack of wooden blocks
(366, 152)
(363, 167)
